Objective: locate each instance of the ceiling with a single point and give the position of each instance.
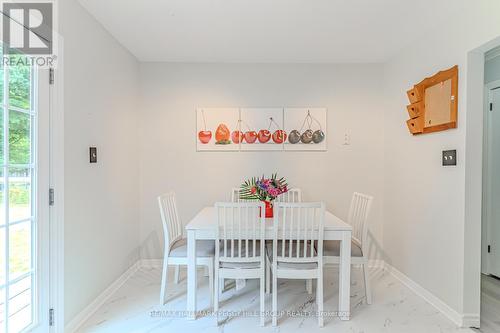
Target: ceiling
(307, 31)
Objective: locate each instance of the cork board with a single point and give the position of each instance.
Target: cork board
(437, 104)
(434, 103)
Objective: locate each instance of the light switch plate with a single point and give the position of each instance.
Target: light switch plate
(93, 154)
(449, 157)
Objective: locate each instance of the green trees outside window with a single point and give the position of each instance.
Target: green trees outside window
(18, 98)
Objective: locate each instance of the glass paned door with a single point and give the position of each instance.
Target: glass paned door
(23, 273)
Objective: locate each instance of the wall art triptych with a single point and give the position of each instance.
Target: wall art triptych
(259, 129)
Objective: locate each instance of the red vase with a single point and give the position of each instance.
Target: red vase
(269, 209)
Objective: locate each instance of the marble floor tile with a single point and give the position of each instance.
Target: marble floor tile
(135, 308)
(490, 304)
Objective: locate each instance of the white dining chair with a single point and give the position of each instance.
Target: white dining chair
(240, 283)
(235, 196)
(292, 195)
(357, 218)
(239, 251)
(176, 246)
(300, 227)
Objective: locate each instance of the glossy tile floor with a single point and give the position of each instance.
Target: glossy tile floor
(490, 304)
(134, 308)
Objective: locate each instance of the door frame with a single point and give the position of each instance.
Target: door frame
(474, 141)
(56, 182)
(47, 239)
(486, 201)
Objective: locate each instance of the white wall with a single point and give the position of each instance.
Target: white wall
(101, 200)
(169, 161)
(432, 214)
(492, 70)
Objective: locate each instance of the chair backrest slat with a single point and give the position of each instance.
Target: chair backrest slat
(283, 237)
(307, 242)
(172, 226)
(235, 196)
(306, 238)
(246, 228)
(240, 226)
(358, 217)
(232, 231)
(290, 238)
(259, 235)
(292, 195)
(305, 223)
(225, 232)
(299, 234)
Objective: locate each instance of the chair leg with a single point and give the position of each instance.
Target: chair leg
(309, 286)
(210, 269)
(221, 286)
(319, 298)
(262, 298)
(216, 295)
(176, 275)
(268, 276)
(275, 300)
(368, 290)
(164, 280)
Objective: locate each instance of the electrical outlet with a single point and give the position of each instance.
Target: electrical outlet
(347, 139)
(449, 157)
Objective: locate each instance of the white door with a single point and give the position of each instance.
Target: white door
(492, 182)
(24, 213)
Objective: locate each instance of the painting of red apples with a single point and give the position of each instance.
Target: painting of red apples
(261, 129)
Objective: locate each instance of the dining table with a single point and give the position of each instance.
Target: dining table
(204, 227)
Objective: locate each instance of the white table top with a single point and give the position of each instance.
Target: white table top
(206, 220)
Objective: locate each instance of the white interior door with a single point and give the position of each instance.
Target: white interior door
(24, 211)
(492, 182)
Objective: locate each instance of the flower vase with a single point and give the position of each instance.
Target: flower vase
(269, 209)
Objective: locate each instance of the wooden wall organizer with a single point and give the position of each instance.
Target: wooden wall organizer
(434, 103)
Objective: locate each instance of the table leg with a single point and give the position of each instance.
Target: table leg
(345, 276)
(191, 274)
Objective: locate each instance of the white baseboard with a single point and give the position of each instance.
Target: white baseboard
(461, 320)
(471, 320)
(85, 314)
(376, 263)
(152, 263)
